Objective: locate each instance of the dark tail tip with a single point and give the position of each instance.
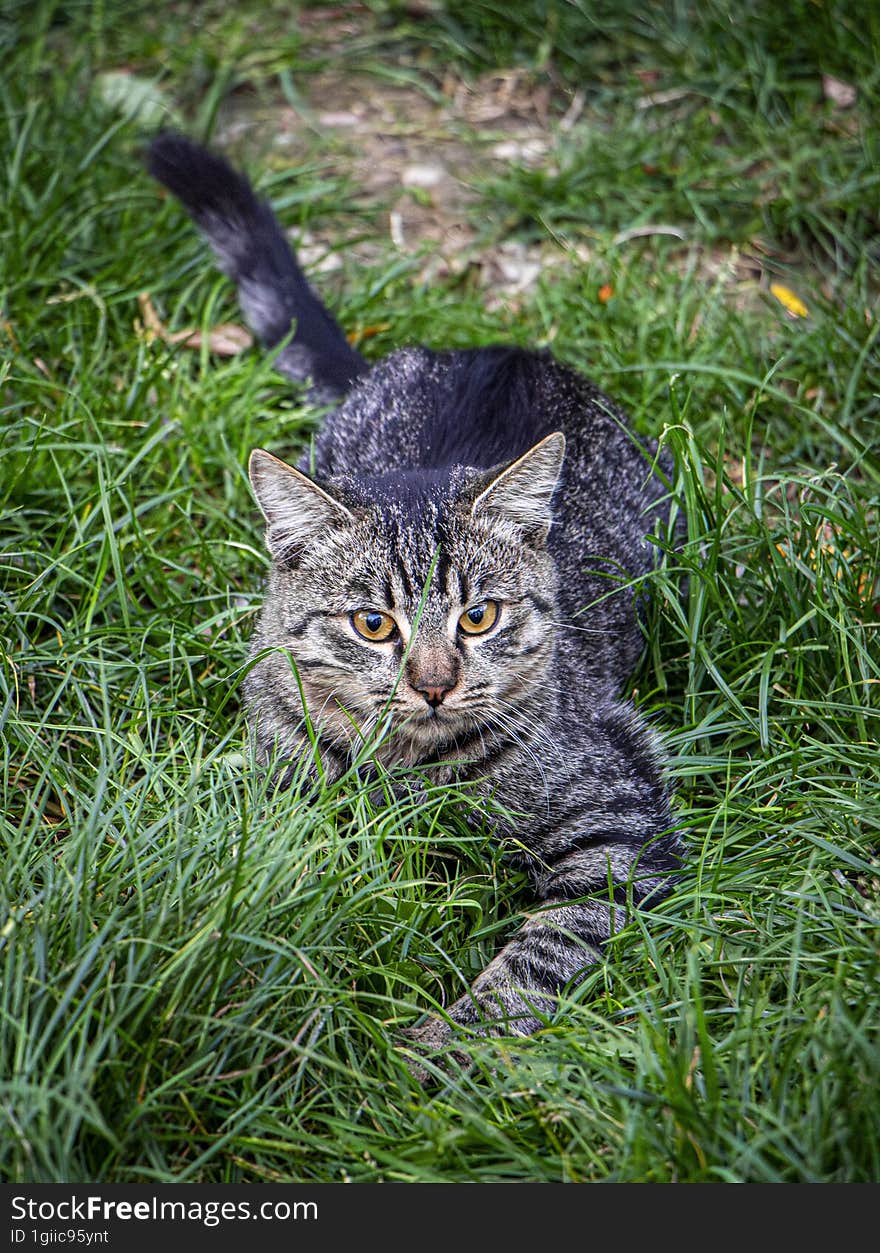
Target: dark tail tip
(250, 245)
(200, 179)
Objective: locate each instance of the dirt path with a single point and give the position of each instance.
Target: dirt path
(416, 155)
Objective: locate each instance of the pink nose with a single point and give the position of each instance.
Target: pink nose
(436, 694)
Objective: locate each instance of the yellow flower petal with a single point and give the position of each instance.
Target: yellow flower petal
(789, 301)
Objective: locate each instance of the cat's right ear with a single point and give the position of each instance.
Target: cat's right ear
(296, 509)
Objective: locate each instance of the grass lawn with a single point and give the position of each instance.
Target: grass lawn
(201, 981)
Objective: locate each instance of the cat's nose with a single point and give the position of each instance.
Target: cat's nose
(436, 694)
(433, 673)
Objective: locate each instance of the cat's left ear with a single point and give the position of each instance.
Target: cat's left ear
(523, 492)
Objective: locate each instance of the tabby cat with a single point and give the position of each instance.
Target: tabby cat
(458, 548)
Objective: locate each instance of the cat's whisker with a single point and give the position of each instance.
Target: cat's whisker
(496, 718)
(528, 725)
(571, 626)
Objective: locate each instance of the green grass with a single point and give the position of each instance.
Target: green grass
(203, 981)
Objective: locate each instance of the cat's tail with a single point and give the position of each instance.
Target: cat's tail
(251, 248)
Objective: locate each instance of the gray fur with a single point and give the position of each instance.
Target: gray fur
(553, 738)
(437, 486)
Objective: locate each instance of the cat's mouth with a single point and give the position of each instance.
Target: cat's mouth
(426, 723)
(429, 722)
(426, 714)
(429, 734)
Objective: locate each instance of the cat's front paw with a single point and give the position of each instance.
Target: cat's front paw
(430, 1042)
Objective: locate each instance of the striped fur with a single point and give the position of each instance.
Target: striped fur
(435, 489)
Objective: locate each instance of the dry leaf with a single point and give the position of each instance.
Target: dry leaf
(662, 97)
(528, 151)
(789, 300)
(573, 112)
(367, 332)
(838, 92)
(141, 99)
(642, 232)
(227, 339)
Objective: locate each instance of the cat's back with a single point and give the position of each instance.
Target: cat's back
(478, 407)
(418, 409)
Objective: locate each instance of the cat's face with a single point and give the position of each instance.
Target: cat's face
(432, 603)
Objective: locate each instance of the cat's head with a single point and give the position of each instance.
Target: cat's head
(427, 595)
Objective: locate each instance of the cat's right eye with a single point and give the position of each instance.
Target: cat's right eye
(373, 625)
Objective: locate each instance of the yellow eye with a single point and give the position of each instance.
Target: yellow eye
(479, 618)
(374, 625)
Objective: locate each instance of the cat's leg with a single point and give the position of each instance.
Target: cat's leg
(516, 993)
(604, 847)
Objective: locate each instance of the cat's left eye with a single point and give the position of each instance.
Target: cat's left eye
(373, 625)
(479, 618)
